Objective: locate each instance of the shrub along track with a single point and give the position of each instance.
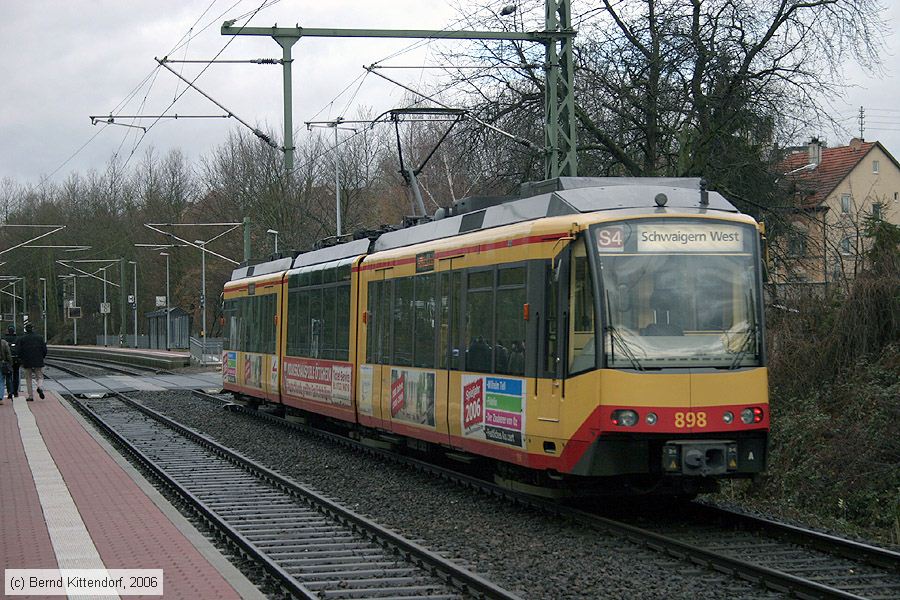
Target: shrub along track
(785, 558)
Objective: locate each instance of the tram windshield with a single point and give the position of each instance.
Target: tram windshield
(678, 293)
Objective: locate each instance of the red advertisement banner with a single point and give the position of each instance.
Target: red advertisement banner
(473, 403)
(398, 399)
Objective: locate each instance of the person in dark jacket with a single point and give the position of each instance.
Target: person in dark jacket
(12, 378)
(6, 363)
(32, 350)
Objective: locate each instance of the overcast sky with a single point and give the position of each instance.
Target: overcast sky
(64, 60)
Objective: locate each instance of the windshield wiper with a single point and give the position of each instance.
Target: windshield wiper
(745, 347)
(617, 338)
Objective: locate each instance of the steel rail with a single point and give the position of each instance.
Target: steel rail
(108, 365)
(200, 507)
(454, 574)
(852, 549)
(750, 571)
(451, 574)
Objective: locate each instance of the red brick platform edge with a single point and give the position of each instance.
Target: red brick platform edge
(24, 540)
(129, 531)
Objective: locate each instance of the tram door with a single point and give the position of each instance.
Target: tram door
(372, 373)
(554, 324)
(451, 350)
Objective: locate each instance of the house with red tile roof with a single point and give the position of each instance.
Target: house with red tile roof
(834, 191)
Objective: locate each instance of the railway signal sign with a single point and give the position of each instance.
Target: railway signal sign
(105, 308)
(73, 312)
(160, 302)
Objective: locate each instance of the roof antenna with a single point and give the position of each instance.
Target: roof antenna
(704, 195)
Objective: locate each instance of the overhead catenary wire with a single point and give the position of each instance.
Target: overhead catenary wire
(513, 137)
(200, 74)
(261, 135)
(401, 51)
(149, 77)
(71, 156)
(185, 39)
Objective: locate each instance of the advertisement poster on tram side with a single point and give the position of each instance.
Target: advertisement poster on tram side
(320, 380)
(273, 373)
(253, 370)
(229, 367)
(366, 390)
(412, 396)
(493, 409)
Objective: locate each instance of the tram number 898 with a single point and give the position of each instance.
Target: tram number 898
(690, 419)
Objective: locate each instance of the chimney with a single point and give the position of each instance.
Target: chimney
(815, 151)
(856, 144)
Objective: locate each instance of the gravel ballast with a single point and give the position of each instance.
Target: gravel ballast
(526, 551)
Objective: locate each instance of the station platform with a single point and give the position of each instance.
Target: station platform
(158, 359)
(130, 383)
(70, 501)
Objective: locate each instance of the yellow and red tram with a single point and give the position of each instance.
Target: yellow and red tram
(600, 333)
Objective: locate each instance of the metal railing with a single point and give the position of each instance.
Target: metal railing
(206, 351)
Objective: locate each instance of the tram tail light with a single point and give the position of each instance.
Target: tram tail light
(753, 414)
(624, 418)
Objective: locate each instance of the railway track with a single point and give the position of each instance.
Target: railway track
(135, 370)
(310, 545)
(786, 558)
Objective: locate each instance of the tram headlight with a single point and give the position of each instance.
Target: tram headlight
(624, 418)
(651, 418)
(728, 417)
(754, 414)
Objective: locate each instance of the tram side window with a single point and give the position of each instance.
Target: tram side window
(251, 324)
(232, 324)
(384, 326)
(318, 314)
(342, 343)
(252, 328)
(373, 315)
(424, 321)
(479, 329)
(443, 308)
(298, 320)
(509, 349)
(582, 348)
(551, 331)
(402, 326)
(329, 324)
(271, 327)
(246, 324)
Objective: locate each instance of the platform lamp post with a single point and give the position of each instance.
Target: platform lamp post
(202, 245)
(275, 233)
(105, 341)
(168, 333)
(44, 309)
(134, 305)
(337, 168)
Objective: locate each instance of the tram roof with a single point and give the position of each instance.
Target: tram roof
(536, 200)
(557, 197)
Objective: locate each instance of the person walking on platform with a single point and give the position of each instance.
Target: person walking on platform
(32, 350)
(5, 365)
(12, 376)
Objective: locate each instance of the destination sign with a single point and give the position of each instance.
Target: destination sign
(683, 237)
(679, 236)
